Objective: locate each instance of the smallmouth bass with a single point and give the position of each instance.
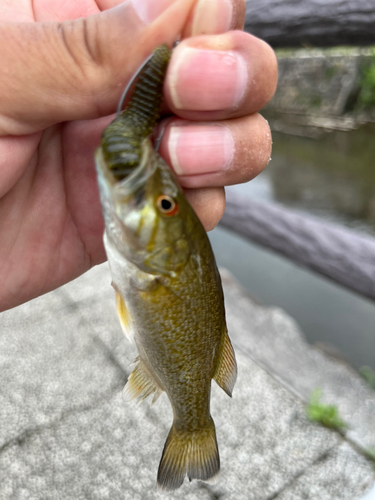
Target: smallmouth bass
(168, 290)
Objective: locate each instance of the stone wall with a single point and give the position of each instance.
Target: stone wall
(332, 88)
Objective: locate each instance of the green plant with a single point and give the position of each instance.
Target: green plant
(369, 375)
(370, 454)
(315, 101)
(367, 85)
(327, 415)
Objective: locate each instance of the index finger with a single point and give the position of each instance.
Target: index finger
(212, 17)
(208, 17)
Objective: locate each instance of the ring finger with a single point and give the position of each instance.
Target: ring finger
(217, 153)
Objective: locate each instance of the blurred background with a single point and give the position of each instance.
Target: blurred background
(323, 167)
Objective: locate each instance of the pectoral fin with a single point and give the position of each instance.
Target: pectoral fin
(124, 316)
(141, 384)
(226, 372)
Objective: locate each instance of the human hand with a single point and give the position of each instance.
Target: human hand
(59, 84)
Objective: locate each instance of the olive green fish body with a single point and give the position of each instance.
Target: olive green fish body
(169, 300)
(183, 336)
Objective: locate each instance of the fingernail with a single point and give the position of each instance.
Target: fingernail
(200, 149)
(149, 10)
(207, 80)
(212, 17)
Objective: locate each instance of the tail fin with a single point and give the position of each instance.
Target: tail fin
(192, 453)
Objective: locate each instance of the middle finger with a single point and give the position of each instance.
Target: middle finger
(218, 77)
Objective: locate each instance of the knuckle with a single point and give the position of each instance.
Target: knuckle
(253, 145)
(89, 40)
(265, 143)
(216, 208)
(262, 64)
(79, 41)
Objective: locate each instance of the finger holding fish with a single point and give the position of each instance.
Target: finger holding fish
(216, 77)
(217, 153)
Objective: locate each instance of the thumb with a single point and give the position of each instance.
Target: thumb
(55, 72)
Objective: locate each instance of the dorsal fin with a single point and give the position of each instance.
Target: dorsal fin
(226, 371)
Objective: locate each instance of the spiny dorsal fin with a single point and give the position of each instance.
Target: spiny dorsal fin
(124, 316)
(141, 384)
(193, 453)
(226, 372)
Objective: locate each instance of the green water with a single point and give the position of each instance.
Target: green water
(333, 178)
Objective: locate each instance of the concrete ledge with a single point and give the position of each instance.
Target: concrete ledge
(66, 432)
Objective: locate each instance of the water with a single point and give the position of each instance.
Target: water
(332, 178)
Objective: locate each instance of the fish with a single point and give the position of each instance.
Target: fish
(169, 297)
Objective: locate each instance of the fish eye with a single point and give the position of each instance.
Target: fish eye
(167, 205)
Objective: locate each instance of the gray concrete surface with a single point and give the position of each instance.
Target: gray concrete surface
(66, 433)
(275, 343)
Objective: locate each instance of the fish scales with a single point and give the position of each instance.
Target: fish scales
(168, 289)
(177, 343)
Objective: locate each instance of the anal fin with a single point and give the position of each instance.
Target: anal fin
(226, 372)
(141, 384)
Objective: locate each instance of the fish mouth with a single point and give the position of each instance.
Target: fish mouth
(122, 198)
(121, 190)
